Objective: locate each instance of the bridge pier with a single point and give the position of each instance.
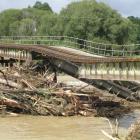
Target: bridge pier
(111, 71)
(10, 53)
(15, 53)
(6, 63)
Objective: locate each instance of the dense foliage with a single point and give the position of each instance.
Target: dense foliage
(136, 28)
(86, 19)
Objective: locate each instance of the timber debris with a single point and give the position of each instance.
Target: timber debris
(134, 131)
(29, 91)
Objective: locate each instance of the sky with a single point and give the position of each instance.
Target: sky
(125, 7)
(55, 4)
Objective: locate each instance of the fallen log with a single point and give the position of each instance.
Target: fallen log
(28, 84)
(134, 131)
(10, 83)
(10, 102)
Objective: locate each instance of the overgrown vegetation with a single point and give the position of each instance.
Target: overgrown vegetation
(86, 19)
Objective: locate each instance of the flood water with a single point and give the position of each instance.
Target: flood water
(60, 128)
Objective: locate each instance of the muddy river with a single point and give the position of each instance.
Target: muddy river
(60, 128)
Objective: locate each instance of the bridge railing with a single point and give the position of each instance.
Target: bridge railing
(76, 43)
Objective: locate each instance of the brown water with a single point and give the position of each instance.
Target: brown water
(59, 128)
(51, 128)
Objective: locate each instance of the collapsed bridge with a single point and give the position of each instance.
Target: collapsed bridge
(88, 61)
(106, 62)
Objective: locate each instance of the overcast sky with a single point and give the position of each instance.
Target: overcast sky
(125, 7)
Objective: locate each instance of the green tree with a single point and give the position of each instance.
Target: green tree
(86, 19)
(34, 14)
(27, 27)
(48, 25)
(11, 21)
(42, 6)
(6, 18)
(14, 28)
(136, 29)
(91, 20)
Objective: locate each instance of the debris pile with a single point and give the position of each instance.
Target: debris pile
(58, 103)
(134, 131)
(28, 91)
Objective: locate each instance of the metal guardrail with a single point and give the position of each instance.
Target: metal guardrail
(101, 49)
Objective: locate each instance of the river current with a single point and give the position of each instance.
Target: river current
(26, 127)
(60, 128)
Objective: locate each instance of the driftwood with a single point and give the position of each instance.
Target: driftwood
(28, 84)
(10, 83)
(62, 103)
(134, 131)
(33, 92)
(10, 102)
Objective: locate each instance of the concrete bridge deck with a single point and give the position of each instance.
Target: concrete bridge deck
(76, 51)
(76, 62)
